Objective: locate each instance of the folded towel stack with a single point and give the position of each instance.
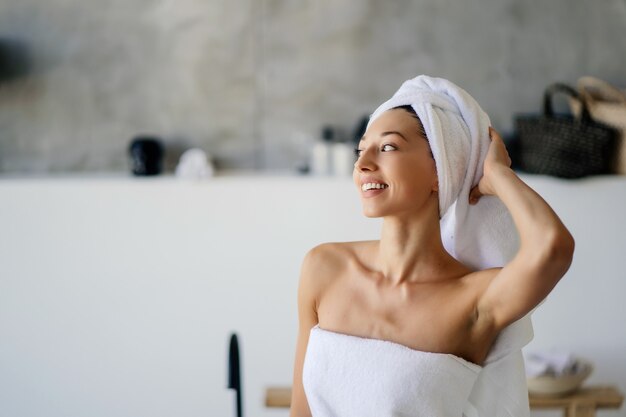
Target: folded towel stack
(553, 363)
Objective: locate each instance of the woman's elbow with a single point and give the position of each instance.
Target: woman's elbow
(561, 251)
(565, 245)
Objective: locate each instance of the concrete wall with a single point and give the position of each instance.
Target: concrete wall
(118, 295)
(252, 82)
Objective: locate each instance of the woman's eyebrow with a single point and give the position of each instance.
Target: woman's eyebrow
(390, 132)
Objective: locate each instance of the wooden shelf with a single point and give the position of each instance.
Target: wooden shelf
(581, 403)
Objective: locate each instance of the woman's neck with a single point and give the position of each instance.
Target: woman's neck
(411, 251)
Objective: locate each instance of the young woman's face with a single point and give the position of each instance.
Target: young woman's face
(394, 153)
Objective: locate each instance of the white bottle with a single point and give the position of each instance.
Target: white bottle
(321, 154)
(343, 159)
(320, 158)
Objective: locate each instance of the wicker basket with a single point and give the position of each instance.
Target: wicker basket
(562, 145)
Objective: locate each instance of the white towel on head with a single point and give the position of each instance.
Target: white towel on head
(480, 236)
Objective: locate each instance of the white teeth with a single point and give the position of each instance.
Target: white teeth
(373, 185)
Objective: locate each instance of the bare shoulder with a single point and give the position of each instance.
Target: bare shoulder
(326, 262)
(324, 255)
(331, 257)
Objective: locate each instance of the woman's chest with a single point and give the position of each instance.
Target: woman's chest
(429, 317)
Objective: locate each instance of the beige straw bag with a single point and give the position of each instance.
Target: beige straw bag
(606, 104)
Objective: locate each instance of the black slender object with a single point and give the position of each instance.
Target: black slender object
(234, 371)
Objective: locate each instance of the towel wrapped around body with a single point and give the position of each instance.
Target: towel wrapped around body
(345, 375)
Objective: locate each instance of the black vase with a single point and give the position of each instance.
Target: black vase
(146, 155)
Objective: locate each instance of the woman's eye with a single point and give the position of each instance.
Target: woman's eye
(357, 151)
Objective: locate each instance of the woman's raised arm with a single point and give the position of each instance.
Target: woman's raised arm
(546, 246)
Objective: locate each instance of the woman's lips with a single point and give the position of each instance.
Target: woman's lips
(373, 192)
(372, 187)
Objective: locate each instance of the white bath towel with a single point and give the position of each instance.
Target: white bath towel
(346, 376)
(481, 236)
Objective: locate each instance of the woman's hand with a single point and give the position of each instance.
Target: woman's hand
(496, 159)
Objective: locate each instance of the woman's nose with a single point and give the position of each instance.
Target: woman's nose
(365, 162)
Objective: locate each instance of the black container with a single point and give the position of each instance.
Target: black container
(234, 372)
(146, 155)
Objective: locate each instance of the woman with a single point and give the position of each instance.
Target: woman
(406, 288)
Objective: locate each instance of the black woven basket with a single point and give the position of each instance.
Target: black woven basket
(564, 146)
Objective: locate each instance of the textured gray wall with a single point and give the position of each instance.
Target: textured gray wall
(251, 81)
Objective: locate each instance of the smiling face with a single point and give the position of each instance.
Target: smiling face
(394, 154)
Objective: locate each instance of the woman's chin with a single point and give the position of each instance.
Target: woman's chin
(368, 212)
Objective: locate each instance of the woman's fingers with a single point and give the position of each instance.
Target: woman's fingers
(475, 195)
(496, 155)
(494, 134)
(499, 153)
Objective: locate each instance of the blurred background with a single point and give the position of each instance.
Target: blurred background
(253, 82)
(118, 294)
